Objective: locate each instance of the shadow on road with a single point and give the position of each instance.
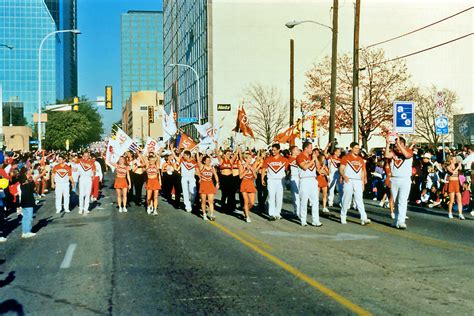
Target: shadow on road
(11, 306)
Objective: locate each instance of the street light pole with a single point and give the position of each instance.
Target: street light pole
(39, 79)
(198, 90)
(355, 74)
(10, 47)
(334, 28)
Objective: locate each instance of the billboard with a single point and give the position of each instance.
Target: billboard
(463, 129)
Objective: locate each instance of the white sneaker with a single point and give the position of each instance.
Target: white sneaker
(472, 213)
(188, 210)
(325, 210)
(365, 222)
(204, 217)
(67, 211)
(450, 215)
(248, 220)
(3, 239)
(318, 224)
(155, 213)
(80, 211)
(374, 199)
(86, 212)
(330, 204)
(392, 215)
(343, 221)
(461, 217)
(304, 224)
(149, 209)
(381, 204)
(28, 235)
(124, 210)
(120, 210)
(57, 212)
(401, 226)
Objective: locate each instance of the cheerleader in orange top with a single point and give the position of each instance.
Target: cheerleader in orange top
(207, 190)
(453, 168)
(248, 174)
(323, 173)
(153, 184)
(122, 183)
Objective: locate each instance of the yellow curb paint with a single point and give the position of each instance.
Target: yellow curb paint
(300, 275)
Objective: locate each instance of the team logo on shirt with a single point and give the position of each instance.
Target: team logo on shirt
(355, 165)
(335, 162)
(188, 165)
(62, 173)
(398, 162)
(276, 166)
(86, 166)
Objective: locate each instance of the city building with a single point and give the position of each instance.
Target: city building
(17, 138)
(141, 52)
(23, 24)
(135, 115)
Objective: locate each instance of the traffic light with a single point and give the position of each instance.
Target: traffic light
(307, 135)
(108, 97)
(151, 114)
(75, 104)
(315, 127)
(299, 127)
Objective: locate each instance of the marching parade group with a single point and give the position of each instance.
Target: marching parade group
(255, 176)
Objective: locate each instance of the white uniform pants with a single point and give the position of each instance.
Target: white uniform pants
(189, 191)
(85, 188)
(309, 191)
(275, 196)
(62, 190)
(333, 183)
(295, 194)
(353, 188)
(400, 189)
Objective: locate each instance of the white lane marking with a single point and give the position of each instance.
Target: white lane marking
(337, 237)
(68, 257)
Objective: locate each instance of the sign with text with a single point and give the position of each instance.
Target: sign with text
(442, 126)
(187, 120)
(404, 117)
(223, 107)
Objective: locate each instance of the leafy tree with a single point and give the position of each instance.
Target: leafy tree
(380, 84)
(266, 114)
(425, 113)
(17, 116)
(80, 128)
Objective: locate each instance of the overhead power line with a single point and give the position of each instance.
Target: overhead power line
(424, 50)
(421, 28)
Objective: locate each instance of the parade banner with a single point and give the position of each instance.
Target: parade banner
(151, 146)
(169, 126)
(117, 146)
(186, 142)
(287, 136)
(242, 124)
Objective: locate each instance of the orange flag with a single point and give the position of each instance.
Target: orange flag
(286, 136)
(242, 124)
(186, 142)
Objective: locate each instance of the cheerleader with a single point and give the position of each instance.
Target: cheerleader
(122, 183)
(153, 184)
(453, 168)
(248, 174)
(323, 173)
(207, 190)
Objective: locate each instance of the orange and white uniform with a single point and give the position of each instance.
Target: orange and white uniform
(86, 171)
(248, 181)
(334, 177)
(121, 177)
(206, 186)
(61, 175)
(153, 183)
(308, 190)
(354, 169)
(294, 184)
(276, 172)
(188, 182)
(400, 183)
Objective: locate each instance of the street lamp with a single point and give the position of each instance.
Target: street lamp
(10, 47)
(332, 111)
(39, 78)
(198, 92)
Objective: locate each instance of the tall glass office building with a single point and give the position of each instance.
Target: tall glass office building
(142, 52)
(185, 42)
(23, 24)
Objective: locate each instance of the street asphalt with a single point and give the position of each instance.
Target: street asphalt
(175, 263)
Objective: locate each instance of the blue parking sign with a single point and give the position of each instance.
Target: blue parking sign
(442, 125)
(404, 117)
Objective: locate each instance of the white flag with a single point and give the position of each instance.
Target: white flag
(169, 126)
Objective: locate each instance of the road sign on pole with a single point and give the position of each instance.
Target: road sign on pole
(404, 117)
(442, 126)
(187, 120)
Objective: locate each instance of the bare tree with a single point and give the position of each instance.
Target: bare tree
(380, 84)
(425, 113)
(266, 111)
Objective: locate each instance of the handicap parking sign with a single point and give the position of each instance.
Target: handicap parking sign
(442, 126)
(404, 117)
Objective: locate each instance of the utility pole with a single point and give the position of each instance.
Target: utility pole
(292, 81)
(332, 113)
(355, 74)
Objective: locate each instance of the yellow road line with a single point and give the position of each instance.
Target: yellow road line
(421, 239)
(255, 240)
(297, 273)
